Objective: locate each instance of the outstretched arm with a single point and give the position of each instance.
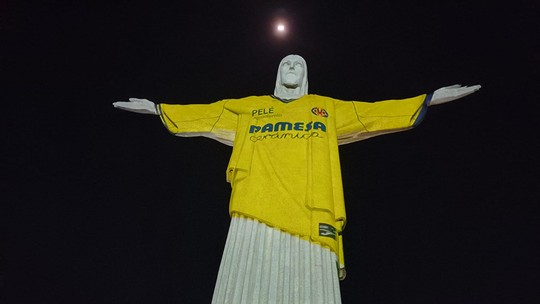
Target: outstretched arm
(142, 106)
(450, 93)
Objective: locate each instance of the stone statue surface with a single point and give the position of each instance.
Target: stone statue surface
(286, 243)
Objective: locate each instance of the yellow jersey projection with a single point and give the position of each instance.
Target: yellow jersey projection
(284, 169)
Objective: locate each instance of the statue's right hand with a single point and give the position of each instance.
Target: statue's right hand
(143, 106)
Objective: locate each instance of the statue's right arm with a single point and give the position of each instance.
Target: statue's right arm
(142, 106)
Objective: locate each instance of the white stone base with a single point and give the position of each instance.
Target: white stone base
(261, 264)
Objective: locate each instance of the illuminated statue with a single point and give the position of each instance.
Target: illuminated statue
(287, 208)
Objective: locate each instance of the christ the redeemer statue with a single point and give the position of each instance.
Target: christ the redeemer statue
(287, 208)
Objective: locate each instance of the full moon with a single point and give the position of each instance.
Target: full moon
(280, 28)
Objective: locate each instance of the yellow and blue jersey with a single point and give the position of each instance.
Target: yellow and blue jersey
(284, 169)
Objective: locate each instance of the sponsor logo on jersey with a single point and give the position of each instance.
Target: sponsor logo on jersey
(288, 126)
(327, 230)
(287, 130)
(319, 112)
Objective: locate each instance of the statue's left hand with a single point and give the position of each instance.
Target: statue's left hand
(453, 92)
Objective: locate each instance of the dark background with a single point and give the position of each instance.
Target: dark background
(105, 206)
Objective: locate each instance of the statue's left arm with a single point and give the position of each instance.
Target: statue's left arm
(446, 94)
(357, 120)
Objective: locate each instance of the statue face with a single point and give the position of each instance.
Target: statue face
(292, 71)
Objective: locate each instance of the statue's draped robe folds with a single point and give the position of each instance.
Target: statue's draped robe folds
(286, 179)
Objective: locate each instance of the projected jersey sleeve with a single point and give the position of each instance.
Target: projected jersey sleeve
(210, 120)
(358, 120)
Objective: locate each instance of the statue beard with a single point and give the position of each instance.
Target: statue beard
(291, 85)
(291, 81)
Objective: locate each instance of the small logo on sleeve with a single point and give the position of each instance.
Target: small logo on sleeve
(319, 112)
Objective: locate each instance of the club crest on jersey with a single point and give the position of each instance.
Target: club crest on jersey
(319, 112)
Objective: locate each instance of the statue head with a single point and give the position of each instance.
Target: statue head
(291, 81)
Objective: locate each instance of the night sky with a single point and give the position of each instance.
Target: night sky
(105, 206)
